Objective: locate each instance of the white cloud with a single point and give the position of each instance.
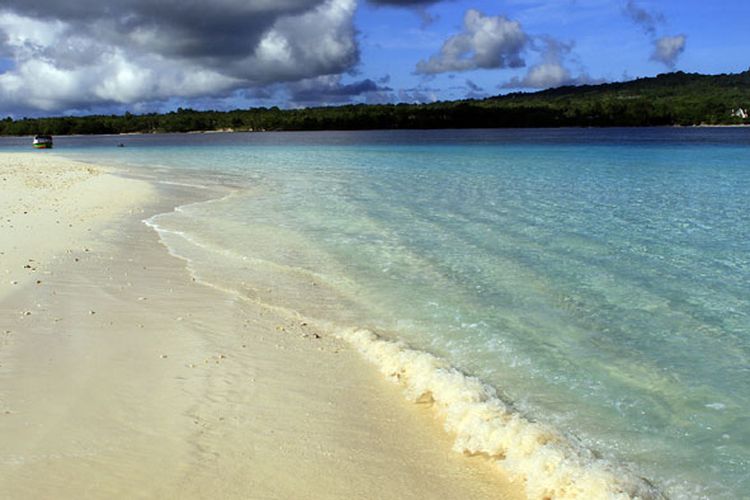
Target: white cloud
(551, 70)
(544, 75)
(27, 33)
(668, 48)
(486, 42)
(111, 76)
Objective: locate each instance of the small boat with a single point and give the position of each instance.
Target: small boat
(42, 142)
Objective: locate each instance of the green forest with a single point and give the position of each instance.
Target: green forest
(668, 99)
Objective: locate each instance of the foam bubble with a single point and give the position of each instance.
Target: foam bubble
(550, 465)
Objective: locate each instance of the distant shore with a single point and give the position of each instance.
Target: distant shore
(232, 131)
(671, 99)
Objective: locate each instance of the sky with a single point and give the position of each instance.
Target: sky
(77, 57)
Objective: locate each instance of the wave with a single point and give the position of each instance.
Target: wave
(183, 184)
(550, 465)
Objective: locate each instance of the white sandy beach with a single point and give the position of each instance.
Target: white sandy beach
(122, 377)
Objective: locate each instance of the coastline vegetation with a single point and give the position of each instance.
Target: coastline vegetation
(678, 98)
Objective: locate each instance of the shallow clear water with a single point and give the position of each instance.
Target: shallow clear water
(598, 279)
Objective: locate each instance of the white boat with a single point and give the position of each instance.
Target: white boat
(42, 142)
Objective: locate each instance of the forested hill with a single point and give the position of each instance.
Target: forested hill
(668, 99)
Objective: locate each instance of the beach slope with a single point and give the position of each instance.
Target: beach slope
(122, 377)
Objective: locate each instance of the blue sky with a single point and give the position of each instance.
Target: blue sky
(607, 44)
(84, 56)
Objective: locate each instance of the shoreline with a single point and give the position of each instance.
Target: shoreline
(480, 424)
(128, 378)
(293, 131)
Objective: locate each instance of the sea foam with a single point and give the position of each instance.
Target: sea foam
(550, 465)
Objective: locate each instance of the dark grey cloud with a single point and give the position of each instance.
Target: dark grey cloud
(85, 53)
(330, 89)
(647, 20)
(420, 7)
(220, 28)
(474, 91)
(379, 98)
(473, 86)
(486, 42)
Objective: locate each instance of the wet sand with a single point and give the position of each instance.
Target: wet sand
(122, 377)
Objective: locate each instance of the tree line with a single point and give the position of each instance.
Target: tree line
(668, 99)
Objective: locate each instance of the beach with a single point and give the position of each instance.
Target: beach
(428, 314)
(122, 376)
(382, 249)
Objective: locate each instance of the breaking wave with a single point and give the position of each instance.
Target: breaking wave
(550, 465)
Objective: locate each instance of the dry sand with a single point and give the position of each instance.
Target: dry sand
(121, 377)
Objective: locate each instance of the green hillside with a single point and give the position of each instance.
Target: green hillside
(668, 99)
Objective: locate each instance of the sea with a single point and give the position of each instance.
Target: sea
(574, 302)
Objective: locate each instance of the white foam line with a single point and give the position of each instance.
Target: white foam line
(320, 278)
(183, 184)
(550, 465)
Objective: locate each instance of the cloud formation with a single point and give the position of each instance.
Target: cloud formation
(331, 90)
(668, 48)
(542, 76)
(474, 91)
(404, 3)
(486, 42)
(417, 94)
(87, 53)
(648, 21)
(551, 71)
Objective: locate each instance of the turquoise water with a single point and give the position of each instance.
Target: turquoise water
(599, 280)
